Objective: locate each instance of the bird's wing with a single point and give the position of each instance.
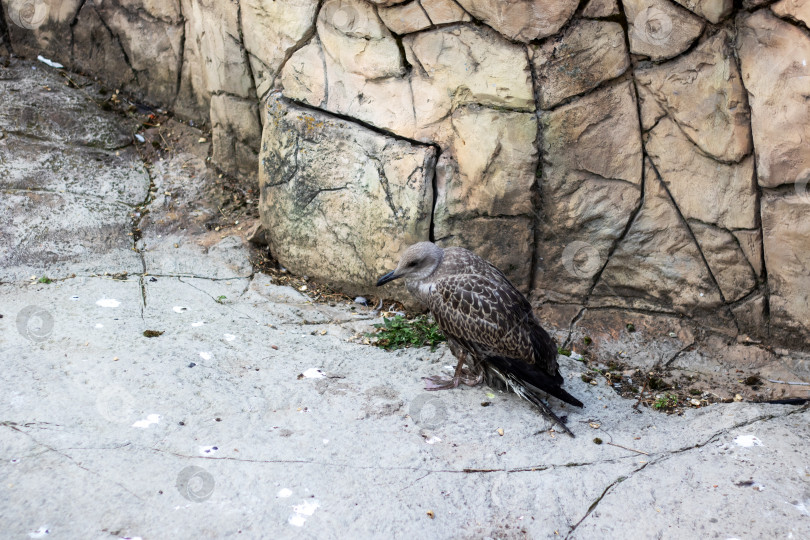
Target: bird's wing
(491, 316)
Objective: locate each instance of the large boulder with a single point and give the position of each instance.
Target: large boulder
(340, 202)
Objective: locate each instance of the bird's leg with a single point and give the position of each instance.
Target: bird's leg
(440, 383)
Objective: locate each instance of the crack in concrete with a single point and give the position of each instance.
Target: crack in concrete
(664, 456)
(69, 458)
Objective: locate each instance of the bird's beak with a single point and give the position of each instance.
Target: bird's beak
(390, 276)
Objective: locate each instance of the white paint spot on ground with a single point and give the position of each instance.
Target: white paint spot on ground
(49, 62)
(302, 511)
(230, 337)
(205, 355)
(284, 493)
(140, 137)
(150, 419)
(108, 302)
(748, 441)
(179, 309)
(208, 450)
(432, 439)
(313, 373)
(326, 441)
(197, 324)
(42, 532)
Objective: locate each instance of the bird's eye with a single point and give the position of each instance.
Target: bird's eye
(412, 263)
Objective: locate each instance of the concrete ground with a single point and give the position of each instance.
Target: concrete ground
(255, 412)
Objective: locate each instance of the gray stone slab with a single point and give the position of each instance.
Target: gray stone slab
(112, 176)
(37, 103)
(61, 234)
(328, 457)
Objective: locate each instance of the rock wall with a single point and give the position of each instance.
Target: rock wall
(642, 155)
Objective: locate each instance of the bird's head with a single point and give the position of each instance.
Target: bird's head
(418, 262)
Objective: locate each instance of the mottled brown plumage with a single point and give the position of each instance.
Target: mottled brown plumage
(489, 324)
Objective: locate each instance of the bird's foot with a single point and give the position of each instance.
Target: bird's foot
(442, 383)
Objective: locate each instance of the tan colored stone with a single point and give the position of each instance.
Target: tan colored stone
(386, 103)
(774, 56)
(506, 242)
(339, 201)
(352, 35)
(463, 65)
(660, 29)
(41, 27)
(405, 18)
(95, 50)
(750, 316)
(703, 188)
(657, 265)
(596, 135)
(726, 260)
(444, 11)
(153, 50)
(236, 134)
(387, 3)
(795, 10)
(522, 20)
(651, 111)
(165, 10)
(272, 30)
(495, 164)
(313, 77)
(712, 10)
(303, 77)
(597, 9)
(589, 188)
(214, 26)
(786, 235)
(703, 92)
(751, 245)
(583, 56)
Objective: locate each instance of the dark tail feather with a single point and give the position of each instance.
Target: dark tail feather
(528, 394)
(533, 377)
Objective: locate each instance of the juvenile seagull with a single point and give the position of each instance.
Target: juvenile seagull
(489, 324)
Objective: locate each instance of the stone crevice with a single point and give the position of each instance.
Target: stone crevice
(306, 38)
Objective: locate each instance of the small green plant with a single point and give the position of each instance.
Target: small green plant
(45, 279)
(220, 299)
(399, 332)
(564, 352)
(666, 401)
